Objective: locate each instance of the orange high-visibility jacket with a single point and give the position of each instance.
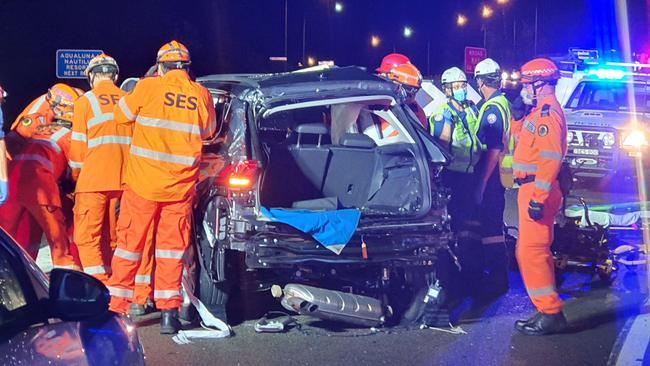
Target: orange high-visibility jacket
(172, 115)
(541, 147)
(99, 145)
(34, 172)
(38, 105)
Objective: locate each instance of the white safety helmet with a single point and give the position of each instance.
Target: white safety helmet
(487, 67)
(453, 75)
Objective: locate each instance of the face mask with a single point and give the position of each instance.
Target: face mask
(526, 97)
(460, 95)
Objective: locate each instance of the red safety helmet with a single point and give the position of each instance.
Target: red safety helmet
(391, 60)
(406, 74)
(539, 69)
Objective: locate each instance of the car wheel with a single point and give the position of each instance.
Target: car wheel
(211, 236)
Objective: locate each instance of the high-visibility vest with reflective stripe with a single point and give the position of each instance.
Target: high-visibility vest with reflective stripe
(465, 145)
(170, 115)
(100, 146)
(34, 172)
(505, 158)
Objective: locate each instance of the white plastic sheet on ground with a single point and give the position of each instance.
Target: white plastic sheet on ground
(213, 327)
(607, 219)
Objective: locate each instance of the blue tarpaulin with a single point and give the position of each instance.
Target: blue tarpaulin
(333, 229)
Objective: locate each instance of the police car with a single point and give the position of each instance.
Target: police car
(607, 109)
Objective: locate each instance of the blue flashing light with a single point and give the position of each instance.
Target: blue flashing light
(609, 74)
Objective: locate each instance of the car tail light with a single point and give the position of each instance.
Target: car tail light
(241, 175)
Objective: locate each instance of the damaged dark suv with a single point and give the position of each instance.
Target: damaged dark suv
(322, 178)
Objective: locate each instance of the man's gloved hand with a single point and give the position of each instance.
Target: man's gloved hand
(4, 191)
(535, 210)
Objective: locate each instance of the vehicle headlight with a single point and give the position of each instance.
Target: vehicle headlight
(609, 139)
(635, 139)
(569, 136)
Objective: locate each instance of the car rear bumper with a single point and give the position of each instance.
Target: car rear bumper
(414, 243)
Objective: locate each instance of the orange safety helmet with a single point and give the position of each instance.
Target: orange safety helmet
(61, 98)
(173, 51)
(539, 69)
(406, 74)
(391, 60)
(102, 63)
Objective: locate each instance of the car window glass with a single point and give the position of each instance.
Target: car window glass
(610, 96)
(12, 296)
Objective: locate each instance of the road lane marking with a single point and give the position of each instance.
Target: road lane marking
(633, 342)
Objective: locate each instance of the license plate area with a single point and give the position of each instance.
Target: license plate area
(588, 152)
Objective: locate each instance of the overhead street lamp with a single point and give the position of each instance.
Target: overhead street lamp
(487, 12)
(338, 6)
(461, 20)
(408, 32)
(503, 2)
(375, 41)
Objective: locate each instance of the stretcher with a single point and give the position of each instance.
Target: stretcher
(621, 225)
(596, 238)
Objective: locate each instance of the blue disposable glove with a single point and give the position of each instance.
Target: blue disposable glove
(4, 191)
(535, 210)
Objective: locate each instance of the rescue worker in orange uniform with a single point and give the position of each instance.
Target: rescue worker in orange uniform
(42, 110)
(34, 174)
(536, 164)
(58, 100)
(98, 155)
(171, 116)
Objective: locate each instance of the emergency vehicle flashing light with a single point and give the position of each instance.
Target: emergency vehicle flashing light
(608, 74)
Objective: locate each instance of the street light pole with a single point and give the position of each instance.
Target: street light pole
(286, 34)
(304, 32)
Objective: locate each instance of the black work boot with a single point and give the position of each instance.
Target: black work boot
(137, 309)
(543, 324)
(169, 323)
(519, 324)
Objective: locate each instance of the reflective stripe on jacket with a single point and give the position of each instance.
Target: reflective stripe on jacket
(170, 115)
(99, 145)
(541, 147)
(34, 172)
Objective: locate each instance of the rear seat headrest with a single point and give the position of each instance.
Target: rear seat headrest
(313, 128)
(357, 140)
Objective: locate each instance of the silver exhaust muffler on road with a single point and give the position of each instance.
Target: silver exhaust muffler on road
(332, 305)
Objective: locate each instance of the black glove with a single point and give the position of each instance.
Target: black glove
(535, 210)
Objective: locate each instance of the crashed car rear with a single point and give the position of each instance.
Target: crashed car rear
(323, 178)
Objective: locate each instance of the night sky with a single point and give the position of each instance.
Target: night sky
(227, 36)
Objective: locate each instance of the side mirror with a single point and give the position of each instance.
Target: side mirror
(76, 296)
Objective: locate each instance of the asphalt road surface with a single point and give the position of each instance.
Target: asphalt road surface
(604, 320)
